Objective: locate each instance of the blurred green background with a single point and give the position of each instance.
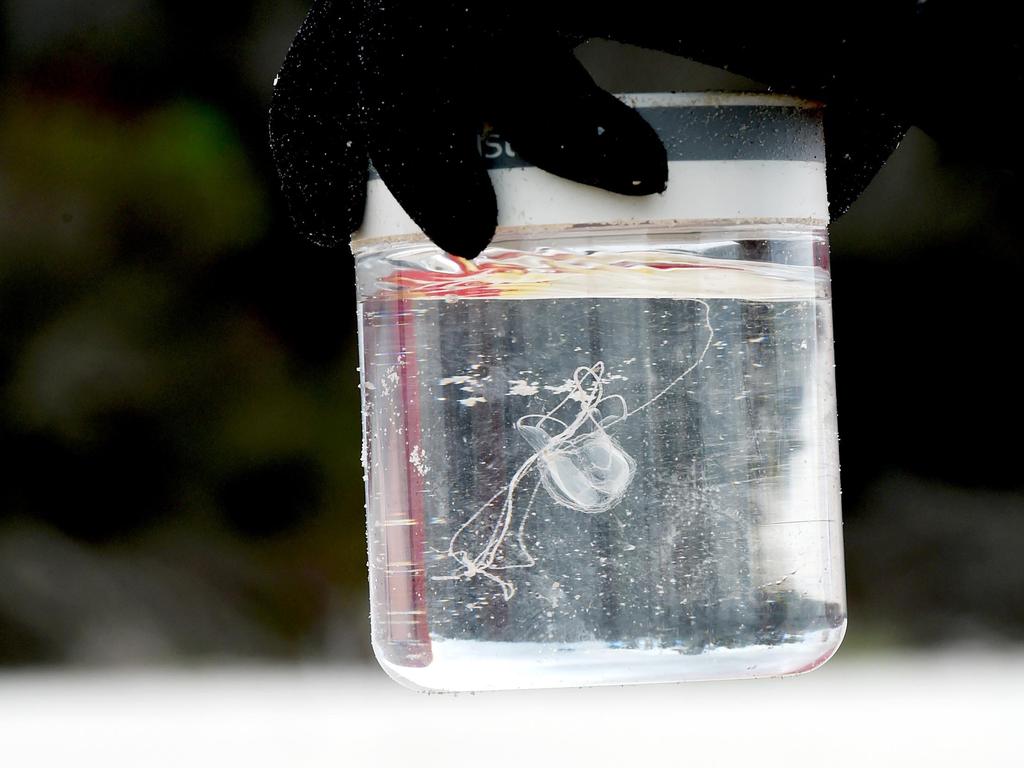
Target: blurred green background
(179, 413)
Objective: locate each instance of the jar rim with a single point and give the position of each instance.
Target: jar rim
(644, 99)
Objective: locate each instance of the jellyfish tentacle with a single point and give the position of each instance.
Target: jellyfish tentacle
(487, 557)
(530, 559)
(462, 528)
(691, 369)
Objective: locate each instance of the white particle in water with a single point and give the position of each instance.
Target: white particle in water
(417, 457)
(522, 387)
(561, 389)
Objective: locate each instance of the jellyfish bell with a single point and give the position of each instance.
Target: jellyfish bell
(537, 437)
(589, 473)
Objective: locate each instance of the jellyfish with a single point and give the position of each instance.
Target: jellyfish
(577, 462)
(585, 471)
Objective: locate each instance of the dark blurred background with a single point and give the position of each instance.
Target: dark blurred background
(179, 413)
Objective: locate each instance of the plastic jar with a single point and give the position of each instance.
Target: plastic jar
(605, 451)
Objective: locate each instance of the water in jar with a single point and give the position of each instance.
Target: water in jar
(593, 465)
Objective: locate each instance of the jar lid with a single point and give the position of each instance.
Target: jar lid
(733, 158)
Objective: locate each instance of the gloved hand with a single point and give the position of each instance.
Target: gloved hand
(408, 85)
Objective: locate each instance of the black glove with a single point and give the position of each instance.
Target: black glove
(409, 84)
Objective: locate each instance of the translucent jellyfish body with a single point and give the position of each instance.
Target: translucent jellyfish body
(588, 473)
(580, 464)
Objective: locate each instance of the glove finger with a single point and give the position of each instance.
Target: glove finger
(858, 141)
(429, 161)
(423, 123)
(315, 135)
(556, 117)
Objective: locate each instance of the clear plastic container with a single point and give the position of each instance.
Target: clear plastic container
(606, 453)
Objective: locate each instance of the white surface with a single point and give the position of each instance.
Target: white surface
(960, 709)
